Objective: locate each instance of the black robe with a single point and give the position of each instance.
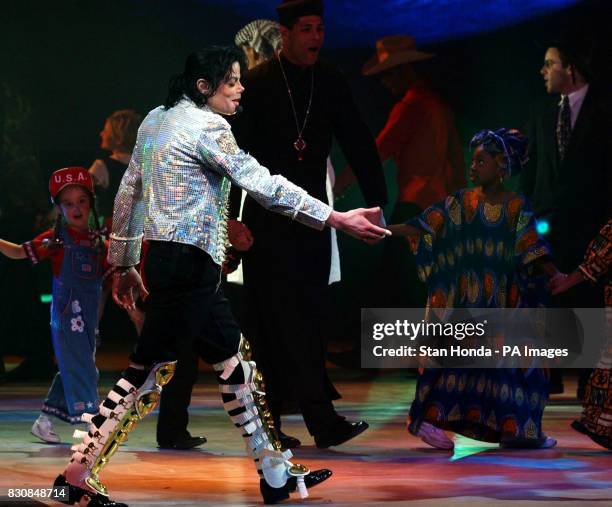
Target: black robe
(267, 130)
(286, 272)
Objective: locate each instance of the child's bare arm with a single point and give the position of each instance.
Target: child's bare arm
(548, 267)
(404, 230)
(12, 250)
(545, 266)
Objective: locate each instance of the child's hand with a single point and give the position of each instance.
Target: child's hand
(124, 285)
(396, 229)
(561, 282)
(404, 230)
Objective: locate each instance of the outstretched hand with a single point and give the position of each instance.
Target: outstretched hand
(366, 224)
(560, 282)
(125, 286)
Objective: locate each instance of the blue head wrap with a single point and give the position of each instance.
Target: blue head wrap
(509, 142)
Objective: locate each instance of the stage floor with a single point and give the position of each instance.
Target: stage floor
(383, 466)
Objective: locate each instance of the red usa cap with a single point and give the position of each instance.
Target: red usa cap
(70, 176)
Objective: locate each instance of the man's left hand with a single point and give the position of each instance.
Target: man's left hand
(365, 224)
(240, 236)
(125, 284)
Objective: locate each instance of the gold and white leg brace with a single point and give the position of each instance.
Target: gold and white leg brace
(244, 400)
(124, 406)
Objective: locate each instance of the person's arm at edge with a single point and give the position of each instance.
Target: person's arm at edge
(12, 250)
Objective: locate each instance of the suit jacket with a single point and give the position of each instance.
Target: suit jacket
(573, 195)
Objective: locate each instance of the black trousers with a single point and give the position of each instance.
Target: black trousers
(584, 295)
(185, 308)
(286, 272)
(173, 416)
(284, 328)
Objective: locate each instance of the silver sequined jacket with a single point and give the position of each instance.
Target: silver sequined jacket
(177, 184)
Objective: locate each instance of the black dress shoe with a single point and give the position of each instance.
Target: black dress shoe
(311, 480)
(75, 494)
(287, 441)
(273, 495)
(183, 444)
(340, 432)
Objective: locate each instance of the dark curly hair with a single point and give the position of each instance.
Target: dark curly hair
(213, 64)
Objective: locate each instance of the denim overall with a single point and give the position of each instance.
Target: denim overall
(74, 318)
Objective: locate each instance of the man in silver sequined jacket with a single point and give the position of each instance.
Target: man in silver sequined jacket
(174, 195)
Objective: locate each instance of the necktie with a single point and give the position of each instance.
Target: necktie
(564, 127)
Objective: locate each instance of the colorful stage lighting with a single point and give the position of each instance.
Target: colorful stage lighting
(542, 227)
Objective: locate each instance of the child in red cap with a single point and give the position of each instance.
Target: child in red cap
(77, 254)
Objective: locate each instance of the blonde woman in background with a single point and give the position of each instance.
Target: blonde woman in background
(118, 137)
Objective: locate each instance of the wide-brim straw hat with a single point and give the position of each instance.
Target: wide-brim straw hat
(391, 51)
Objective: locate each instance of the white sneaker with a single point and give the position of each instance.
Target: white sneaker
(43, 429)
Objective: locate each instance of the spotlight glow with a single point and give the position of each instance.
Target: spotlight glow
(429, 21)
(542, 227)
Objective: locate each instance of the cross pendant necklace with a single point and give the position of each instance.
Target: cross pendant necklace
(299, 144)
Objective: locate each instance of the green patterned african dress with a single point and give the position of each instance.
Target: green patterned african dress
(473, 254)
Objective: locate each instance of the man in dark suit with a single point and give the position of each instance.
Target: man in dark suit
(568, 179)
